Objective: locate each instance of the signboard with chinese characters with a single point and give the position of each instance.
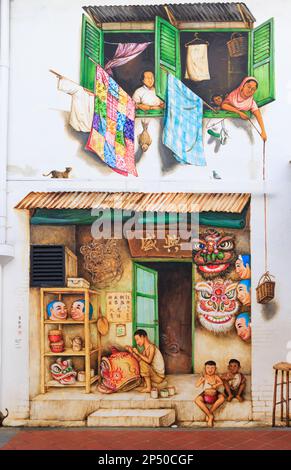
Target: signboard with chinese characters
(151, 245)
(118, 307)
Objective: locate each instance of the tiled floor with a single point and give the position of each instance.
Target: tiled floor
(144, 439)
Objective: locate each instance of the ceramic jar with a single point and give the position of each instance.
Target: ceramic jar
(55, 335)
(57, 347)
(81, 376)
(154, 393)
(172, 391)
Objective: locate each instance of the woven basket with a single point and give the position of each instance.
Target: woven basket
(265, 289)
(238, 45)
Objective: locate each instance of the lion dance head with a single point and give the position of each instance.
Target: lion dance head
(217, 305)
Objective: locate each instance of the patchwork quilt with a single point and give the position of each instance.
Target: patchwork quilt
(112, 133)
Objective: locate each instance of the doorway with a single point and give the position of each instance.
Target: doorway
(163, 307)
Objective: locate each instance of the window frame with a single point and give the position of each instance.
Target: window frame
(207, 113)
(139, 113)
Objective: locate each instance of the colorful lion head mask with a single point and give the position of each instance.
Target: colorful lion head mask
(63, 372)
(217, 305)
(214, 253)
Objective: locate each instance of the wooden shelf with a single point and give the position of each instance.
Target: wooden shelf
(66, 352)
(69, 290)
(70, 352)
(68, 322)
(54, 383)
(86, 326)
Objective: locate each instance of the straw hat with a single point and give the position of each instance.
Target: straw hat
(103, 326)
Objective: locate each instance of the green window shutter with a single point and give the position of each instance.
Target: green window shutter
(92, 47)
(167, 54)
(146, 301)
(262, 62)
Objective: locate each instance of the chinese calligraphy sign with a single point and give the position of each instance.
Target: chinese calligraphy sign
(119, 307)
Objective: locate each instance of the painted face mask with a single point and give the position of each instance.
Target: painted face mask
(244, 292)
(78, 310)
(243, 326)
(213, 253)
(63, 372)
(217, 305)
(57, 310)
(242, 266)
(119, 372)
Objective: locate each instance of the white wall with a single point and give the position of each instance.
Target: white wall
(46, 34)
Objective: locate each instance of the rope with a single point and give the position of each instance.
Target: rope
(265, 208)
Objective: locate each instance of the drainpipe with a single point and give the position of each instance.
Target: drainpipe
(6, 251)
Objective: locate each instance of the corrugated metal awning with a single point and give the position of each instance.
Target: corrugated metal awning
(139, 202)
(193, 12)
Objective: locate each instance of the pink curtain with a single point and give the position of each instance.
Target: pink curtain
(124, 53)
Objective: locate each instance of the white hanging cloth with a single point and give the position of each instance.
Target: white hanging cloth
(197, 68)
(82, 107)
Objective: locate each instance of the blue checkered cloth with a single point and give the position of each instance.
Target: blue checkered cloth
(183, 123)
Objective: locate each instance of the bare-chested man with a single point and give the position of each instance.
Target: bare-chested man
(151, 361)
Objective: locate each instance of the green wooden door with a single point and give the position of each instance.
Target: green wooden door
(92, 52)
(262, 62)
(146, 301)
(167, 54)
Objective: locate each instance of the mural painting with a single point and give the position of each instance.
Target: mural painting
(167, 71)
(165, 316)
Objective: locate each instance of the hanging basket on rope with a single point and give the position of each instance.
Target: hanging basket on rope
(265, 289)
(237, 46)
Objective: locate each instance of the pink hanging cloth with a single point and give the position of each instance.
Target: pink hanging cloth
(124, 53)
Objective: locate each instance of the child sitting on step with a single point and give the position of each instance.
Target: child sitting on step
(234, 381)
(210, 395)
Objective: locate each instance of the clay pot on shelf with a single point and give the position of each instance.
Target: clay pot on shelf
(81, 376)
(55, 335)
(57, 347)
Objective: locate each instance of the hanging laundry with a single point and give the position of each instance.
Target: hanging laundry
(82, 106)
(112, 133)
(125, 53)
(183, 123)
(223, 135)
(197, 68)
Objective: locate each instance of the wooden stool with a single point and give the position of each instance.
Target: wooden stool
(285, 368)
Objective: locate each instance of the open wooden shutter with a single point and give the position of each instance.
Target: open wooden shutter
(92, 52)
(167, 54)
(262, 62)
(146, 301)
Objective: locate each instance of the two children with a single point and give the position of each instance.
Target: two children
(231, 384)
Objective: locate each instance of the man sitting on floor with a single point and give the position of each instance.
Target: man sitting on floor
(151, 361)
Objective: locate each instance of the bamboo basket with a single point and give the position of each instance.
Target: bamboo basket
(265, 289)
(237, 46)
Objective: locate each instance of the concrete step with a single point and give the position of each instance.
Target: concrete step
(224, 424)
(130, 417)
(234, 411)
